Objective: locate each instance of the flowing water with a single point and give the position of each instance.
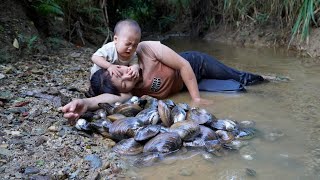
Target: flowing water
(287, 114)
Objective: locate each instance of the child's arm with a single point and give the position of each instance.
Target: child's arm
(103, 63)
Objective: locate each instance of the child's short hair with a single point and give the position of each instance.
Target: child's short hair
(129, 23)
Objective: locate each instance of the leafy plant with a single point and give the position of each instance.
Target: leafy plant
(48, 7)
(31, 41)
(26, 42)
(303, 21)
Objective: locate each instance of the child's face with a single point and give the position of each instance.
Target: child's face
(126, 43)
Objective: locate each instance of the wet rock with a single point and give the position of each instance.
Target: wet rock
(40, 140)
(18, 175)
(6, 95)
(95, 161)
(65, 130)
(95, 175)
(5, 152)
(2, 76)
(31, 170)
(53, 128)
(38, 177)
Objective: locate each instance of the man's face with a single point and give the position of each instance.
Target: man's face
(125, 83)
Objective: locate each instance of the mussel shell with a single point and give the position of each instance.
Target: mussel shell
(151, 101)
(163, 143)
(82, 125)
(115, 117)
(184, 106)
(170, 103)
(101, 126)
(128, 147)
(147, 132)
(225, 136)
(125, 128)
(107, 107)
(213, 146)
(164, 113)
(101, 113)
(246, 134)
(201, 116)
(207, 134)
(199, 143)
(128, 110)
(224, 124)
(178, 114)
(88, 115)
(149, 116)
(235, 144)
(187, 130)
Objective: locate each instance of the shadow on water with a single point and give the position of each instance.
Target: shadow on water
(286, 113)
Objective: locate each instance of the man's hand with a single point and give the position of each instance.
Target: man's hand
(199, 101)
(74, 109)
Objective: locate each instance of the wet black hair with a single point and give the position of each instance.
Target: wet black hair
(101, 83)
(127, 22)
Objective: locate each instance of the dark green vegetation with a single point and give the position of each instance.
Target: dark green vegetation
(160, 15)
(91, 22)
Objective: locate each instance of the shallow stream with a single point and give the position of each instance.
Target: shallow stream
(287, 114)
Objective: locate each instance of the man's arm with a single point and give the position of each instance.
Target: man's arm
(175, 61)
(77, 107)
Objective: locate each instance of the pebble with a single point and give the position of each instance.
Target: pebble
(53, 128)
(31, 170)
(37, 177)
(2, 76)
(95, 161)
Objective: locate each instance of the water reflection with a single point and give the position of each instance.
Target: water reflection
(286, 112)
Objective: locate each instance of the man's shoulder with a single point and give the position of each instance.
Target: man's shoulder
(149, 44)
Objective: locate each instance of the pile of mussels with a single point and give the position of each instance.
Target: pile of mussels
(159, 127)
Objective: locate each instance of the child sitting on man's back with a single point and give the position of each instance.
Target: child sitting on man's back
(121, 51)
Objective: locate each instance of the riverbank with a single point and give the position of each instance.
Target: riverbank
(270, 36)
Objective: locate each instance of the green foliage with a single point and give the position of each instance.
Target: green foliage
(295, 14)
(27, 42)
(1, 28)
(166, 21)
(48, 7)
(303, 21)
(140, 10)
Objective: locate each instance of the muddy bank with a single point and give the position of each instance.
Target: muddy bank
(268, 36)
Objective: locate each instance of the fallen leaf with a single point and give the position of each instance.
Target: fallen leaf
(15, 43)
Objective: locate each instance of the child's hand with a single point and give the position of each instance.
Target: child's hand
(114, 70)
(133, 71)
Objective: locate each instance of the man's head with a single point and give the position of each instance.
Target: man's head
(127, 35)
(102, 82)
